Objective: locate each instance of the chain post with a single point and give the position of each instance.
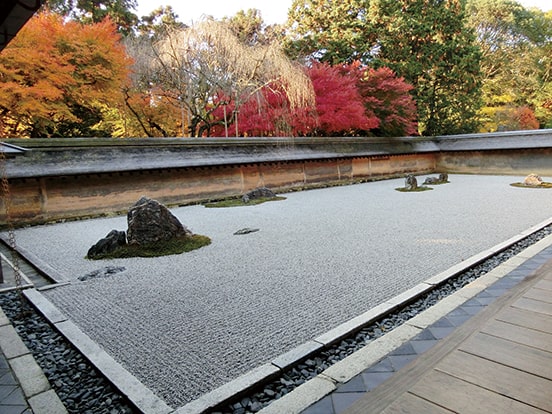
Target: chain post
(6, 195)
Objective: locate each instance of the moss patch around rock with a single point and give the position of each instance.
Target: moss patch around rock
(417, 190)
(237, 202)
(522, 185)
(174, 246)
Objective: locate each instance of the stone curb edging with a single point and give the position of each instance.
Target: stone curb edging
(41, 398)
(310, 392)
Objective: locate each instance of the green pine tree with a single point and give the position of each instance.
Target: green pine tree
(428, 43)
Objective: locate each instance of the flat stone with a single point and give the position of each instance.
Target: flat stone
(437, 311)
(3, 318)
(30, 375)
(354, 324)
(536, 248)
(44, 306)
(11, 344)
(410, 295)
(296, 354)
(302, 397)
(343, 371)
(228, 390)
(47, 403)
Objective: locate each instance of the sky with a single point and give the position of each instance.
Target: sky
(272, 11)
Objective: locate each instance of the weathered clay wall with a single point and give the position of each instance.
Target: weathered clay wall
(78, 178)
(60, 197)
(507, 162)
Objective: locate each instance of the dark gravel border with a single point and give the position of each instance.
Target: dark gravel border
(80, 387)
(84, 390)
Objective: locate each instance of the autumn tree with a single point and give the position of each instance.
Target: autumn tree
(428, 43)
(386, 96)
(339, 104)
(338, 109)
(195, 66)
(59, 78)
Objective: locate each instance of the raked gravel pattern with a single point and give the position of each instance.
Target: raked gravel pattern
(187, 324)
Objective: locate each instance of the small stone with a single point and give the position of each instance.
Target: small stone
(310, 363)
(245, 230)
(255, 406)
(269, 392)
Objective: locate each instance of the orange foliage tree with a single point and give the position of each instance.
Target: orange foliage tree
(59, 78)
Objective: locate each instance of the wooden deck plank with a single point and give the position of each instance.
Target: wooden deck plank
(520, 335)
(539, 294)
(544, 284)
(509, 382)
(450, 392)
(409, 403)
(533, 306)
(511, 354)
(521, 317)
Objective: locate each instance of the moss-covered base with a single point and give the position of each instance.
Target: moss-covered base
(437, 183)
(174, 246)
(522, 185)
(416, 190)
(237, 202)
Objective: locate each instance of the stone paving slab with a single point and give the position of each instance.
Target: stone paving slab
(24, 388)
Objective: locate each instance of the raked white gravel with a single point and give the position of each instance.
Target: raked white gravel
(187, 324)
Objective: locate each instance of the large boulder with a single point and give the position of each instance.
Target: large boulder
(532, 180)
(151, 222)
(108, 244)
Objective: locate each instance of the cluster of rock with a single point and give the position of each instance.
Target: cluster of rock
(148, 222)
(443, 178)
(411, 182)
(260, 192)
(101, 273)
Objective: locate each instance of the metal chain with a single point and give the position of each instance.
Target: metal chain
(6, 196)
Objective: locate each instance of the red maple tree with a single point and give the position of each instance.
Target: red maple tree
(386, 96)
(351, 100)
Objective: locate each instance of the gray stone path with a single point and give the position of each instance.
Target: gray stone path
(187, 324)
(24, 388)
(12, 400)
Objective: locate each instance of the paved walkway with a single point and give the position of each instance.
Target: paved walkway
(24, 388)
(492, 354)
(12, 400)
